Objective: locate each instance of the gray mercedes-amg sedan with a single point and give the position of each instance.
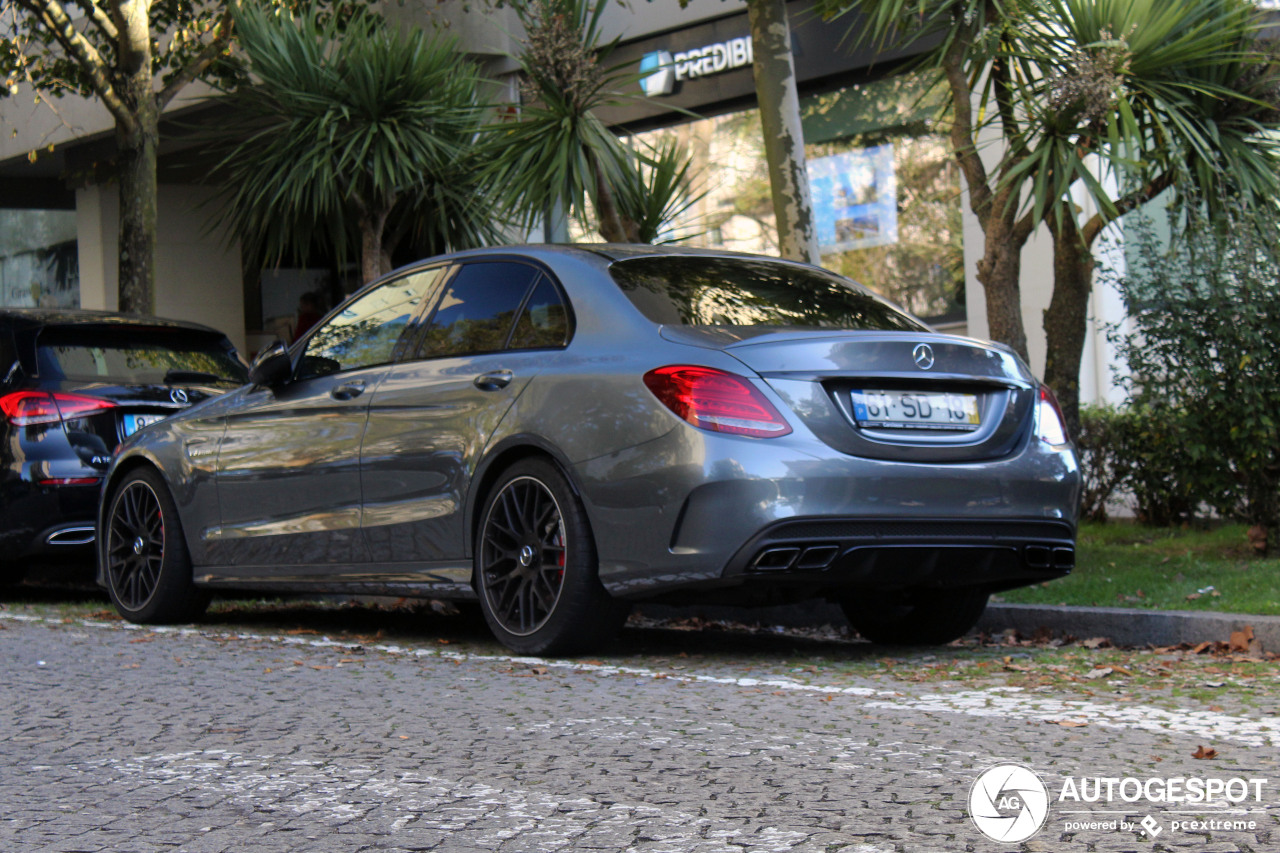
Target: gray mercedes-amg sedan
(560, 431)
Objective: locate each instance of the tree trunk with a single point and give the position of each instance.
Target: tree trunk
(609, 220)
(373, 261)
(138, 191)
(775, 77)
(999, 272)
(137, 145)
(1066, 320)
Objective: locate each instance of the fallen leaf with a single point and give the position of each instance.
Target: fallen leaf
(1193, 596)
(1206, 753)
(1070, 724)
(1241, 639)
(1101, 672)
(538, 670)
(1095, 642)
(1122, 671)
(296, 631)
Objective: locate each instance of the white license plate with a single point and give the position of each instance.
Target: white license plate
(888, 409)
(133, 423)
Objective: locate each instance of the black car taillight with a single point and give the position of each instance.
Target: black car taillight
(716, 400)
(28, 408)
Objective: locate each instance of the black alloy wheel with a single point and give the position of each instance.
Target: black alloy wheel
(536, 568)
(147, 566)
(524, 556)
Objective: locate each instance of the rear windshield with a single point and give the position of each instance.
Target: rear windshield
(132, 356)
(700, 291)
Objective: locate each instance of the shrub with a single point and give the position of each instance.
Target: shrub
(1105, 460)
(1204, 364)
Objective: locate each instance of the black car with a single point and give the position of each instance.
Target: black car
(73, 385)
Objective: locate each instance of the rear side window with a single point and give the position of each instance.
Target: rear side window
(477, 310)
(133, 356)
(544, 322)
(700, 291)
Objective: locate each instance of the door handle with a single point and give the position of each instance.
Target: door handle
(494, 379)
(348, 390)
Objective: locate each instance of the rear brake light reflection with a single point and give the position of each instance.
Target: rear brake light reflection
(1051, 426)
(28, 408)
(716, 400)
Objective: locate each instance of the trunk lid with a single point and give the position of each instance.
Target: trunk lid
(906, 396)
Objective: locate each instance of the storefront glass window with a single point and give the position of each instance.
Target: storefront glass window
(39, 265)
(886, 193)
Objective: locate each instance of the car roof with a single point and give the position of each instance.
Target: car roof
(35, 317)
(608, 252)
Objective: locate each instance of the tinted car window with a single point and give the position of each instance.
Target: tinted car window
(544, 322)
(477, 310)
(365, 332)
(698, 291)
(136, 356)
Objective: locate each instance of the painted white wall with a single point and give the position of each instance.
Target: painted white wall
(198, 276)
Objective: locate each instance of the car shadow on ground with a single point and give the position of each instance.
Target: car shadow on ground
(461, 627)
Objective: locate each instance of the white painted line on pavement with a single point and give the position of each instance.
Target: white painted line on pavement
(1002, 702)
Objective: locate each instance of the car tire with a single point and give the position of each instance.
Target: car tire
(922, 617)
(536, 570)
(147, 565)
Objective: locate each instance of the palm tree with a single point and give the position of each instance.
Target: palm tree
(1117, 99)
(556, 152)
(360, 133)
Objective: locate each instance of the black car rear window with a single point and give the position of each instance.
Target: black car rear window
(701, 291)
(134, 356)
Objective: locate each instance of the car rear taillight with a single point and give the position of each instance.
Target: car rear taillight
(716, 400)
(28, 408)
(1050, 425)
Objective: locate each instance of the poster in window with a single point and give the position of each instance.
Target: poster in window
(855, 199)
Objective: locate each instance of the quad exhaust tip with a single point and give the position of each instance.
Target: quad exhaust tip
(795, 558)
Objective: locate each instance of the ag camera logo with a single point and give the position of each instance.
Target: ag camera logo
(658, 74)
(1008, 803)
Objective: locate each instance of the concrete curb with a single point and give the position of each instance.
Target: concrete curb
(1122, 626)
(1129, 627)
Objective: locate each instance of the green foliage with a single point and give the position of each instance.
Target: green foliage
(552, 153)
(654, 192)
(1179, 568)
(1204, 360)
(1137, 449)
(1156, 88)
(355, 127)
(1105, 463)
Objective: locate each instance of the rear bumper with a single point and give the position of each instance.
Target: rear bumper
(916, 554)
(49, 521)
(696, 511)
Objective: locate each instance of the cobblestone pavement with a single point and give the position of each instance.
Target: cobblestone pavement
(247, 737)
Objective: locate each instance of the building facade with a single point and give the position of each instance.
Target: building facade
(889, 202)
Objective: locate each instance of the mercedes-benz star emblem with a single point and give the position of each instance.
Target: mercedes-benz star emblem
(923, 355)
(179, 396)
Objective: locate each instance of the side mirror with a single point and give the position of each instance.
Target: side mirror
(272, 366)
